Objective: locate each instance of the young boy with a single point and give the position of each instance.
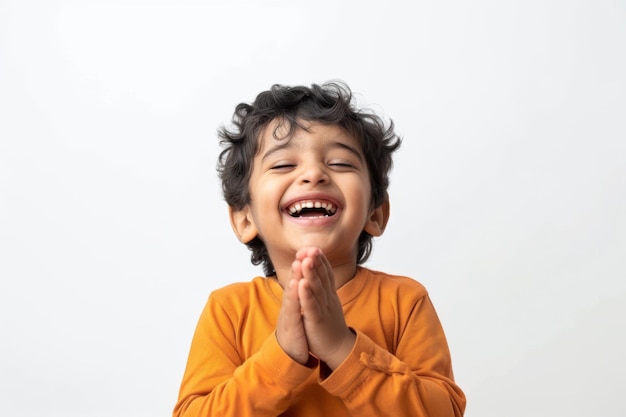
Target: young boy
(305, 176)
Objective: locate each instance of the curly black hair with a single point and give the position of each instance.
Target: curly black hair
(330, 103)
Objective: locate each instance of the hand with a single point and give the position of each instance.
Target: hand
(290, 327)
(327, 334)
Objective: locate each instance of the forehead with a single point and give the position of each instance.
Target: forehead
(278, 134)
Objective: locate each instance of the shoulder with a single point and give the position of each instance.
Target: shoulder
(241, 296)
(232, 289)
(244, 287)
(391, 282)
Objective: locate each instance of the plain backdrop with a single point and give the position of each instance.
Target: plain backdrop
(508, 195)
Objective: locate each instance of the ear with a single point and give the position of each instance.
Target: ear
(242, 224)
(377, 222)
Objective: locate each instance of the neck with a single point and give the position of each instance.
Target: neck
(342, 272)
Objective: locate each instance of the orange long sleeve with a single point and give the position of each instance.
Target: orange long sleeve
(399, 366)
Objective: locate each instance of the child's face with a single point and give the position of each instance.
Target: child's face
(310, 190)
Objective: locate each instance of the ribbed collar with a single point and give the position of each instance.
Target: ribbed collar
(347, 292)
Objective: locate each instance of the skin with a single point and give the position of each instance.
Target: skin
(311, 317)
(312, 256)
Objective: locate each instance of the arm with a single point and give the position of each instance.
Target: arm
(219, 381)
(416, 381)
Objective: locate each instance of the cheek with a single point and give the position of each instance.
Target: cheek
(365, 191)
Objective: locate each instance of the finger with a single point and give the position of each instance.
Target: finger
(296, 269)
(290, 309)
(304, 252)
(314, 285)
(325, 272)
(318, 266)
(311, 308)
(291, 304)
(296, 275)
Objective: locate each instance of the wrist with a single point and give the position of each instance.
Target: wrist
(346, 346)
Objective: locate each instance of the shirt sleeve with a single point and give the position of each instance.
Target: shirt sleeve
(416, 381)
(218, 383)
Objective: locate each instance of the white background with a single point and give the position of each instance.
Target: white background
(508, 195)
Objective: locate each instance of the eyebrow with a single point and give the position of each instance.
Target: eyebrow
(336, 144)
(275, 149)
(347, 147)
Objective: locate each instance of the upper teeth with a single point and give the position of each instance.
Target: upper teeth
(297, 207)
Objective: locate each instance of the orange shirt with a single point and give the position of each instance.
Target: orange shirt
(399, 366)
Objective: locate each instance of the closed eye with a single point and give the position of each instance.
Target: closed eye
(341, 165)
(282, 166)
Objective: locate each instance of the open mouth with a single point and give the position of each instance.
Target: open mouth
(310, 208)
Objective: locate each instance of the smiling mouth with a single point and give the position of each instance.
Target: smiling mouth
(310, 208)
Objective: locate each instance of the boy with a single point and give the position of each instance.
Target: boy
(305, 176)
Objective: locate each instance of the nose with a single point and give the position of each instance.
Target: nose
(314, 174)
